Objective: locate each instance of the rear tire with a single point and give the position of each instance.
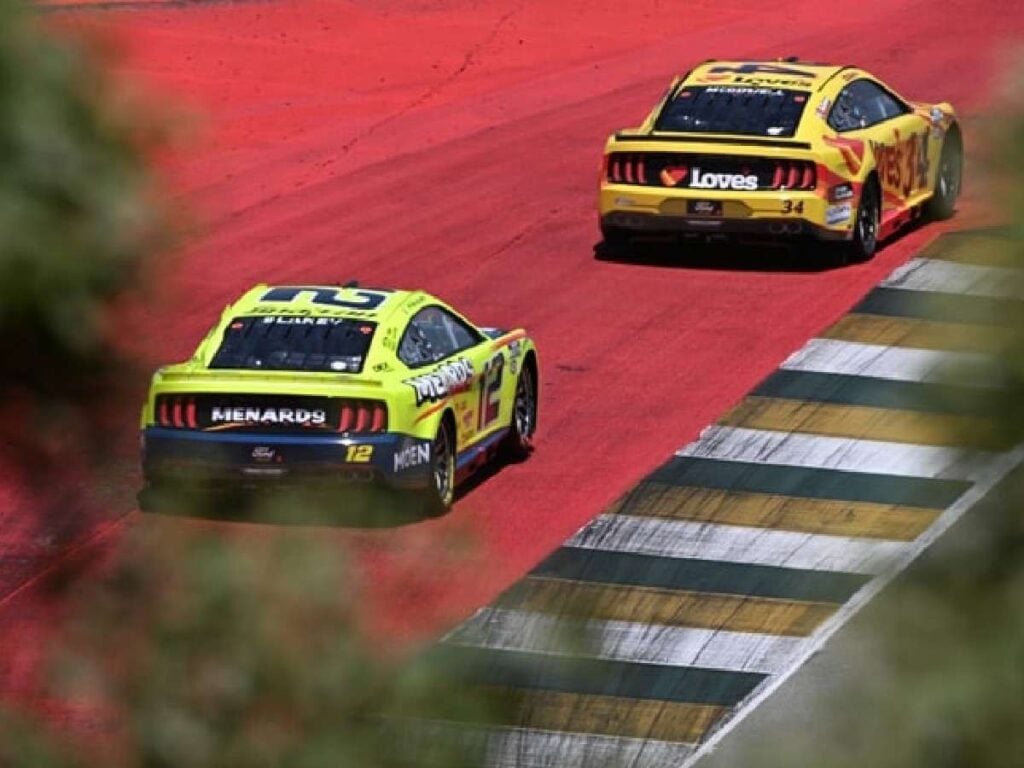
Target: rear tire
(865, 227)
(438, 498)
(518, 443)
(942, 204)
(615, 238)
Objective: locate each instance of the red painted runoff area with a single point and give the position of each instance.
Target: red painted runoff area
(454, 146)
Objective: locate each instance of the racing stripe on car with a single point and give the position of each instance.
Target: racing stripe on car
(683, 605)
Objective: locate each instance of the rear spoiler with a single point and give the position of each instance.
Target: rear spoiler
(696, 139)
(263, 378)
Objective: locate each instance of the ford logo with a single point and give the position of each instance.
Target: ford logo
(263, 453)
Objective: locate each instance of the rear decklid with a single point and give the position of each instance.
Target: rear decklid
(735, 126)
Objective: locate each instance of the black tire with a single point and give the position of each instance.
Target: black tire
(942, 204)
(518, 444)
(865, 226)
(438, 498)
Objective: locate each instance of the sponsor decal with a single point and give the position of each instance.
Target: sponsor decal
(515, 351)
(841, 192)
(743, 90)
(624, 201)
(412, 456)
(674, 175)
(446, 379)
(903, 164)
(709, 180)
(838, 214)
(939, 121)
(255, 417)
(755, 74)
(760, 68)
(289, 320)
(823, 108)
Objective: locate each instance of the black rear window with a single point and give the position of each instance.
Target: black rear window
(733, 109)
(286, 343)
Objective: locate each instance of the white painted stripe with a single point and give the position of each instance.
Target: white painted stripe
(875, 456)
(520, 748)
(1001, 466)
(899, 363)
(737, 544)
(515, 630)
(953, 277)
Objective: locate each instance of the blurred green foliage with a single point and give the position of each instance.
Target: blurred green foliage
(192, 644)
(201, 648)
(78, 227)
(76, 215)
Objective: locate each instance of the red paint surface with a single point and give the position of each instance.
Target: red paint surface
(453, 145)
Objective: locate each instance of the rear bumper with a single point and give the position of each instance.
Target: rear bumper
(197, 458)
(767, 214)
(641, 223)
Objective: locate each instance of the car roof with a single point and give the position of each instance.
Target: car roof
(783, 73)
(321, 300)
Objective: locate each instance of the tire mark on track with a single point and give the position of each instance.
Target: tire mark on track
(467, 61)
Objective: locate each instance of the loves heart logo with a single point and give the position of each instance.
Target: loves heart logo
(673, 175)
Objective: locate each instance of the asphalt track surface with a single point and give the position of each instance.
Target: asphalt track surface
(454, 146)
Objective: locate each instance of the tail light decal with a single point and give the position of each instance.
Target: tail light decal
(363, 416)
(280, 413)
(380, 418)
(348, 418)
(793, 179)
(649, 169)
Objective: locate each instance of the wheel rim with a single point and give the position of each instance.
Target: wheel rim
(949, 181)
(524, 406)
(443, 464)
(867, 220)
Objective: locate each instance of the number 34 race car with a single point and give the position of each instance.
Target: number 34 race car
(301, 382)
(782, 148)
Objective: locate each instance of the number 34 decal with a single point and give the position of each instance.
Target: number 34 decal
(490, 392)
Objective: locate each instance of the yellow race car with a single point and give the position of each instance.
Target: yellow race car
(781, 149)
(340, 383)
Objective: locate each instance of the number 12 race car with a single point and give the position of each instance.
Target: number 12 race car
(782, 148)
(342, 383)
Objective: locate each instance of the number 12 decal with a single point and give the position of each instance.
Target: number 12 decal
(490, 391)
